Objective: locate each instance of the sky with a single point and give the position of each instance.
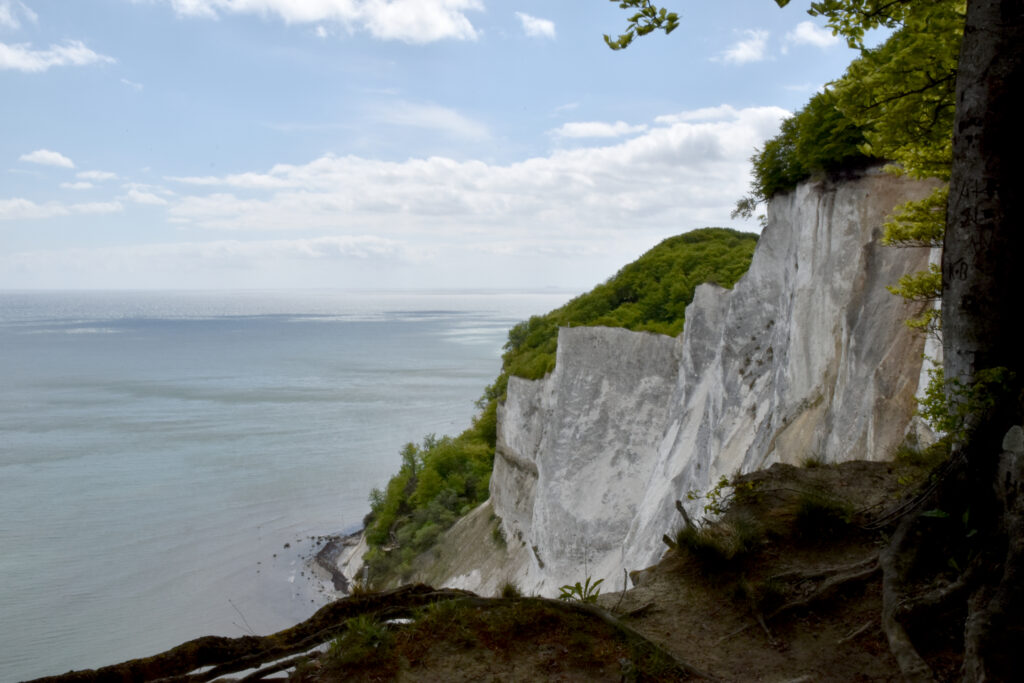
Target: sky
(379, 144)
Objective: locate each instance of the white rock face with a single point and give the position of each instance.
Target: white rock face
(806, 357)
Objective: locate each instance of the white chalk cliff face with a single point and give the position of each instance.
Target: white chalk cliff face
(807, 357)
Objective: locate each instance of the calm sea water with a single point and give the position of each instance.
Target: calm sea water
(158, 451)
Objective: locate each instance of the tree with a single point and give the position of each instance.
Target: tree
(981, 489)
(982, 291)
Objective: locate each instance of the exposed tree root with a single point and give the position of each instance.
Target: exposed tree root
(896, 561)
(837, 578)
(994, 629)
(833, 579)
(639, 611)
(853, 635)
(279, 666)
(938, 596)
(798, 575)
(990, 491)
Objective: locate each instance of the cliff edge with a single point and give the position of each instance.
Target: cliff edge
(807, 357)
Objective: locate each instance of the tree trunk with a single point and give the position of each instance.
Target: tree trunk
(983, 298)
(983, 269)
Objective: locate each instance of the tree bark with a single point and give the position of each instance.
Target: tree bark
(983, 294)
(983, 272)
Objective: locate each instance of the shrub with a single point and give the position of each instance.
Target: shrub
(651, 294)
(510, 590)
(817, 139)
(911, 453)
(717, 545)
(812, 461)
(821, 515)
(364, 642)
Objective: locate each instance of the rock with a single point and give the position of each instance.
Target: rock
(807, 357)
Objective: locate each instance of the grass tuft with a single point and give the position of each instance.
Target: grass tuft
(364, 643)
(820, 516)
(510, 590)
(718, 545)
(911, 453)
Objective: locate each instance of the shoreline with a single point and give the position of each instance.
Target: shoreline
(339, 560)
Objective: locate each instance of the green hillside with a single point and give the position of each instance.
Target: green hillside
(651, 294)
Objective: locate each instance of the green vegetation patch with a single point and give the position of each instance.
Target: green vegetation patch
(470, 639)
(650, 294)
(439, 481)
(818, 139)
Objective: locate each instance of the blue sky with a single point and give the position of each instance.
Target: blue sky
(382, 144)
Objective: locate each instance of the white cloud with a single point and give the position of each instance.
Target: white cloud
(96, 175)
(196, 8)
(141, 197)
(410, 21)
(687, 173)
(431, 220)
(20, 209)
(47, 158)
(809, 33)
(80, 185)
(137, 87)
(597, 129)
(21, 56)
(536, 27)
(98, 207)
(723, 112)
(24, 209)
(433, 117)
(10, 10)
(750, 49)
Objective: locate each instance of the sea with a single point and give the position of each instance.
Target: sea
(170, 460)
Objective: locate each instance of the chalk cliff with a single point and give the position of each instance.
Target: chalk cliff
(807, 357)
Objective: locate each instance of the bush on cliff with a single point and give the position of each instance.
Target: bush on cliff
(818, 139)
(439, 481)
(650, 294)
